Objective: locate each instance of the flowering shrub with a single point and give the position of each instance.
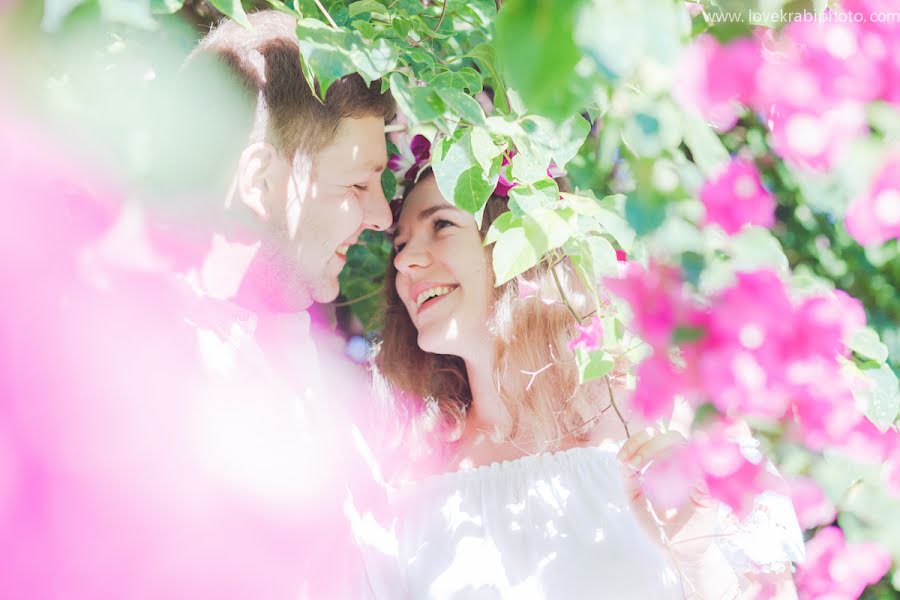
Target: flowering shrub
(747, 170)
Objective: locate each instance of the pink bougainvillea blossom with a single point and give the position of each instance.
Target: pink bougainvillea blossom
(716, 79)
(589, 337)
(815, 138)
(658, 383)
(813, 508)
(715, 460)
(657, 299)
(839, 570)
(729, 475)
(874, 217)
(412, 160)
(735, 197)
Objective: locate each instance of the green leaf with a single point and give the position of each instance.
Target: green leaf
(706, 148)
(166, 7)
(367, 6)
(603, 257)
(483, 148)
(561, 141)
(644, 213)
(401, 26)
(324, 51)
(460, 178)
(365, 29)
(684, 334)
(504, 222)
(755, 248)
(654, 127)
(537, 52)
(419, 103)
(484, 55)
(330, 54)
(233, 10)
(472, 189)
(513, 252)
(866, 343)
(56, 11)
(881, 394)
(530, 199)
(528, 168)
(593, 365)
(373, 60)
(618, 34)
(466, 79)
(388, 184)
(463, 105)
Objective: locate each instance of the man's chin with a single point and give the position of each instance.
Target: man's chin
(326, 291)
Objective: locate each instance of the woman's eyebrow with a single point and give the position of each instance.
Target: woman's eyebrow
(424, 214)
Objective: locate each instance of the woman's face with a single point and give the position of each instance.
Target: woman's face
(443, 275)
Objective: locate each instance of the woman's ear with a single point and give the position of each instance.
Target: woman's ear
(256, 176)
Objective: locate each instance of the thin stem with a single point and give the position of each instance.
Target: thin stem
(325, 12)
(563, 294)
(612, 400)
(441, 20)
(374, 292)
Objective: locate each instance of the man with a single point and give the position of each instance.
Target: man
(310, 172)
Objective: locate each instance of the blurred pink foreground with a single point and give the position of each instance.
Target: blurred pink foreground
(140, 457)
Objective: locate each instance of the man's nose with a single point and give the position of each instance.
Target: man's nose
(377, 211)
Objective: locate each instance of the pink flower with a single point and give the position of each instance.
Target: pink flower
(823, 412)
(874, 217)
(412, 160)
(813, 508)
(815, 138)
(658, 382)
(736, 197)
(589, 336)
(730, 477)
(823, 322)
(504, 183)
(814, 88)
(743, 381)
(669, 479)
(657, 300)
(837, 570)
(715, 80)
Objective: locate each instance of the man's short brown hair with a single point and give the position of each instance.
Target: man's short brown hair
(265, 62)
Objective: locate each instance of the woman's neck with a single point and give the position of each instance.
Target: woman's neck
(488, 411)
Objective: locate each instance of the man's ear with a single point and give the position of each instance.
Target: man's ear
(256, 176)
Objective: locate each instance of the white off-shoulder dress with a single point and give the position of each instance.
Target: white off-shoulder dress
(547, 526)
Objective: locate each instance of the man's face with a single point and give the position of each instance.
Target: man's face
(326, 207)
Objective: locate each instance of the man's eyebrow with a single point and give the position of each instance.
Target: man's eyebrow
(424, 214)
(376, 165)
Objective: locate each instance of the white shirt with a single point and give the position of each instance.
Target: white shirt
(546, 526)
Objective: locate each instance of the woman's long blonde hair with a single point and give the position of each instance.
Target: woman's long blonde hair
(535, 373)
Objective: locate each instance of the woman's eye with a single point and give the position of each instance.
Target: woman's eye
(441, 223)
(398, 248)
(361, 187)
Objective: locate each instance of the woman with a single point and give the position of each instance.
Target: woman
(523, 494)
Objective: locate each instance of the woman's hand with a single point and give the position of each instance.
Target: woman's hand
(687, 529)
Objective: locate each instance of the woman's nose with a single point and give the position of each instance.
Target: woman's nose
(410, 257)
